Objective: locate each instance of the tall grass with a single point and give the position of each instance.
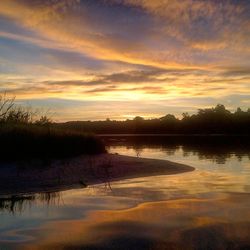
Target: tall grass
(24, 137)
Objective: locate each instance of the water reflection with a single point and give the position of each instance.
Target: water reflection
(216, 148)
(15, 204)
(212, 223)
(204, 209)
(18, 203)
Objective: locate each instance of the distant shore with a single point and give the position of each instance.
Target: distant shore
(81, 172)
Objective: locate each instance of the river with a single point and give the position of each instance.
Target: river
(208, 208)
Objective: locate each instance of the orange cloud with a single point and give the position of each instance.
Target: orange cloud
(76, 34)
(162, 50)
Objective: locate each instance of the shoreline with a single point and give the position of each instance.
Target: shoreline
(80, 172)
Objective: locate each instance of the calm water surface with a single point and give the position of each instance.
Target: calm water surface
(208, 208)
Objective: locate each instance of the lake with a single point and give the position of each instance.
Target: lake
(208, 208)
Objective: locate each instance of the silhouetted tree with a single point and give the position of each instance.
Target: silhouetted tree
(138, 119)
(168, 118)
(215, 120)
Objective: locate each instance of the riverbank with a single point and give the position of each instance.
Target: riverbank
(81, 172)
(25, 142)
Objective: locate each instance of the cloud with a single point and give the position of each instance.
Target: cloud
(126, 50)
(100, 110)
(182, 27)
(163, 34)
(236, 71)
(155, 84)
(74, 28)
(129, 82)
(205, 25)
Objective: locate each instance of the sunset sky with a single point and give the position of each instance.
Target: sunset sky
(93, 59)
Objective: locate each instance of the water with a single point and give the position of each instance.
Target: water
(208, 208)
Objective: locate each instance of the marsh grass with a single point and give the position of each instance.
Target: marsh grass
(27, 141)
(24, 135)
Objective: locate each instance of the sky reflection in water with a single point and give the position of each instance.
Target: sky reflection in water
(204, 209)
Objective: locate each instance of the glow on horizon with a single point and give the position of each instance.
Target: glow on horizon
(116, 59)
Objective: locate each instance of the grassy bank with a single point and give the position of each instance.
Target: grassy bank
(30, 141)
(26, 135)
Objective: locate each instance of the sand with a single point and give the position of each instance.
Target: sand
(80, 172)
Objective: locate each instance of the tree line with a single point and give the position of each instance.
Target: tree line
(215, 120)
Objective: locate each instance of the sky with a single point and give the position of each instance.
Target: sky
(117, 59)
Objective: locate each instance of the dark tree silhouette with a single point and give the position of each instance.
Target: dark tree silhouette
(215, 120)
